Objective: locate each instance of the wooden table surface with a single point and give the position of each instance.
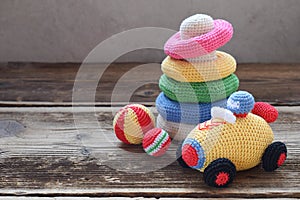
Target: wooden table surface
(51, 150)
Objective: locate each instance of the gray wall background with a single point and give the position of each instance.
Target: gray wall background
(67, 30)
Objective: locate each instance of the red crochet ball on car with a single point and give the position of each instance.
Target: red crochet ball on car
(266, 111)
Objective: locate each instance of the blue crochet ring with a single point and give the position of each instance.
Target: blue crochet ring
(188, 113)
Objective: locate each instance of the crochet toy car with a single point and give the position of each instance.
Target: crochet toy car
(233, 140)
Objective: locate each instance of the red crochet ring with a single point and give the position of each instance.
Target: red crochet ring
(199, 45)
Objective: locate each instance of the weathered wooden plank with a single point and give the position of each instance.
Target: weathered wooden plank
(118, 198)
(53, 157)
(23, 83)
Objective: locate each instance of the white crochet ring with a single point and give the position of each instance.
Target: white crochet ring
(177, 131)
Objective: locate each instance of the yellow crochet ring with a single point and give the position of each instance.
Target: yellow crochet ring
(184, 71)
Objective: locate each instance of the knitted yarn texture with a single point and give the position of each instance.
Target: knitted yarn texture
(132, 122)
(184, 71)
(156, 142)
(196, 92)
(199, 45)
(246, 141)
(189, 113)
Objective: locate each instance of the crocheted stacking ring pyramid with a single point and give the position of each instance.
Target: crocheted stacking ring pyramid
(196, 75)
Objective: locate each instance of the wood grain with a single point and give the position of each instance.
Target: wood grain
(40, 83)
(118, 198)
(51, 152)
(53, 157)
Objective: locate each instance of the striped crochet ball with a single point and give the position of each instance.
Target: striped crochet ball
(132, 122)
(156, 142)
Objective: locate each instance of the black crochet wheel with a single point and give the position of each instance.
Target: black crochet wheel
(219, 173)
(179, 156)
(274, 156)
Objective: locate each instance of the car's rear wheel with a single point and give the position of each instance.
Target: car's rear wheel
(274, 156)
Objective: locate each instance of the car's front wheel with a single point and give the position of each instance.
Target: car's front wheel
(219, 173)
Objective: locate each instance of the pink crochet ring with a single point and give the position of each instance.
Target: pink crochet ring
(199, 45)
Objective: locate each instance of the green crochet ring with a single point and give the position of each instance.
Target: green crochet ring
(203, 92)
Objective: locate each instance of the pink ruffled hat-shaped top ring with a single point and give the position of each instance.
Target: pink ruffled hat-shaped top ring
(199, 38)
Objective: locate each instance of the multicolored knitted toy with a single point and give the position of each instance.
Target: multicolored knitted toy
(196, 75)
(132, 122)
(156, 142)
(233, 140)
